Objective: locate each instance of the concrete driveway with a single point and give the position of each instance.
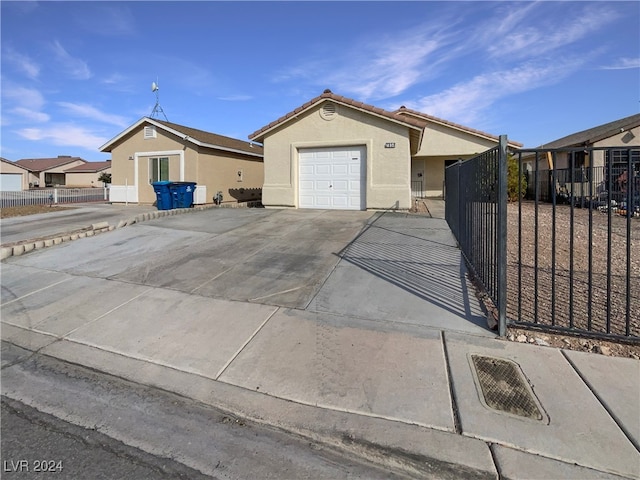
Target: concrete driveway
(395, 268)
(336, 325)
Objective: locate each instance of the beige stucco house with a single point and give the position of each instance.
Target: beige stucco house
(87, 175)
(13, 177)
(49, 172)
(153, 150)
(335, 152)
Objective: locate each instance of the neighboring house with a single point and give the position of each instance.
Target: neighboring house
(13, 177)
(87, 175)
(335, 152)
(49, 172)
(591, 168)
(153, 150)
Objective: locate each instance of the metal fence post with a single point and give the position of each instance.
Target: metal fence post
(502, 236)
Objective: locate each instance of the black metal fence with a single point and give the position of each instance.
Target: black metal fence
(571, 236)
(475, 209)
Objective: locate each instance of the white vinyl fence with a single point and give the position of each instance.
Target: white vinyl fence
(53, 196)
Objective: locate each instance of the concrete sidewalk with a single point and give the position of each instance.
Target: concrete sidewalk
(387, 360)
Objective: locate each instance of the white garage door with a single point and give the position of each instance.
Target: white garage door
(332, 178)
(10, 182)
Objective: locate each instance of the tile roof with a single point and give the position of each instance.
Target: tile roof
(431, 118)
(595, 134)
(42, 164)
(213, 139)
(329, 95)
(90, 167)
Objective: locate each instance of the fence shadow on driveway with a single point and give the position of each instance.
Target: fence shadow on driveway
(420, 256)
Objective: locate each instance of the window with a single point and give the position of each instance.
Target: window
(158, 169)
(149, 132)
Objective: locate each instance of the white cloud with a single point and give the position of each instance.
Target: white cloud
(66, 135)
(376, 68)
(29, 98)
(466, 101)
(88, 111)
(31, 115)
(73, 67)
(533, 29)
(623, 64)
(22, 63)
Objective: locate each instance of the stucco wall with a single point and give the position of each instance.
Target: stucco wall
(215, 170)
(432, 169)
(440, 140)
(87, 179)
(218, 171)
(388, 169)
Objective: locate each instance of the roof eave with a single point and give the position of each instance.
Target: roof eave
(259, 135)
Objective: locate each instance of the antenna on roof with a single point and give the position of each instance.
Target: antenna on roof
(157, 109)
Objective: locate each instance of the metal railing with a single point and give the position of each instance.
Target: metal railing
(53, 196)
(475, 209)
(416, 189)
(571, 262)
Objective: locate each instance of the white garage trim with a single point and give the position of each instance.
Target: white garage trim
(332, 177)
(10, 182)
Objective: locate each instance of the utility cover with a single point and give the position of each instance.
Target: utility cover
(504, 387)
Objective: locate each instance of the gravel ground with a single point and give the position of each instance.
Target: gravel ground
(29, 210)
(602, 310)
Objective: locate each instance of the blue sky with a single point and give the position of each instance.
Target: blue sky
(76, 74)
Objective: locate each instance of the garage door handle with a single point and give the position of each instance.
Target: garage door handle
(330, 186)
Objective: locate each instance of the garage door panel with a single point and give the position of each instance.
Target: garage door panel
(10, 182)
(332, 178)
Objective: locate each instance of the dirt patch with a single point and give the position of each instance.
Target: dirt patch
(30, 210)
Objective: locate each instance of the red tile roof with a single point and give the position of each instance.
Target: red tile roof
(42, 164)
(404, 110)
(90, 167)
(329, 95)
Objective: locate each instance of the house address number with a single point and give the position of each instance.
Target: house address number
(390, 145)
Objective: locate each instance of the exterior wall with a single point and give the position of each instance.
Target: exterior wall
(443, 141)
(211, 170)
(59, 177)
(134, 173)
(10, 168)
(85, 179)
(432, 169)
(387, 169)
(218, 172)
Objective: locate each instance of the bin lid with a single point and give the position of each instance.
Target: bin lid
(164, 182)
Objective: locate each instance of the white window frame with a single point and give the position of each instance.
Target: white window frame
(157, 161)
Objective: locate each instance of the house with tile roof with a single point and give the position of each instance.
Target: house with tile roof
(339, 153)
(49, 172)
(224, 169)
(87, 174)
(13, 177)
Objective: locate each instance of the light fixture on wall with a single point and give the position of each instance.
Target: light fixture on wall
(130, 157)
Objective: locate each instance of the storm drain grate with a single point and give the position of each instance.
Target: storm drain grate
(504, 387)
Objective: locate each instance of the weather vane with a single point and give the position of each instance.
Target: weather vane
(157, 109)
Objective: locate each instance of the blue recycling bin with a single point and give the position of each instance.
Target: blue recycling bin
(182, 194)
(164, 199)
